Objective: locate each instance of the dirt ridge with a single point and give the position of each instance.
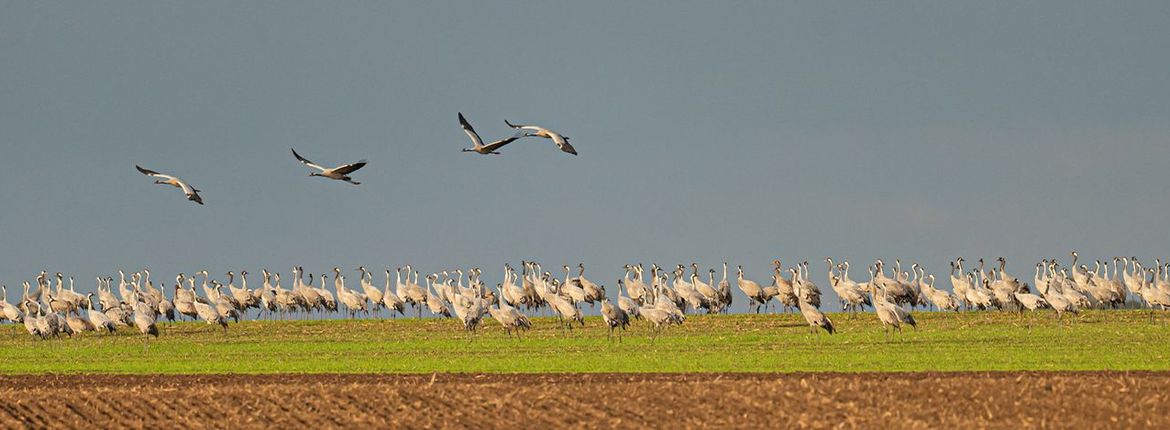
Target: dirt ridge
(810, 400)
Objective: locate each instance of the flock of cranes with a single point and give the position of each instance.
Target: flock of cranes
(662, 298)
(342, 172)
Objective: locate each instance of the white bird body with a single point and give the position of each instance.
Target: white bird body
(509, 317)
(636, 288)
(703, 288)
(658, 317)
(1030, 301)
(626, 304)
(477, 144)
(99, 320)
(210, 314)
(434, 302)
(1057, 299)
(32, 324)
(890, 314)
(569, 289)
(8, 311)
(189, 191)
(372, 293)
(144, 319)
(941, 299)
(593, 292)
(390, 300)
(340, 173)
(782, 288)
(560, 140)
(510, 291)
(568, 312)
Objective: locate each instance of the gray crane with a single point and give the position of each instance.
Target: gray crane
(566, 310)
(890, 314)
(509, 317)
(661, 319)
(32, 322)
(210, 314)
(755, 294)
(614, 317)
(99, 320)
(340, 173)
(391, 301)
(812, 314)
(144, 319)
(626, 303)
(8, 311)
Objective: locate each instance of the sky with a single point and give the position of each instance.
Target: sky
(707, 132)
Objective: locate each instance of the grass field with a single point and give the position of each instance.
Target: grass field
(1114, 340)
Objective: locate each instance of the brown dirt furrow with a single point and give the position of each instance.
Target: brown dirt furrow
(913, 400)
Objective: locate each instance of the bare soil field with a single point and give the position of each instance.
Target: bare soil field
(816, 400)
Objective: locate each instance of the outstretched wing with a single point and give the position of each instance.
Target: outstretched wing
(523, 126)
(500, 143)
(350, 168)
(149, 172)
(475, 140)
(563, 143)
(191, 192)
(306, 161)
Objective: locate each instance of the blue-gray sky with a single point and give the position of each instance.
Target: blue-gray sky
(708, 131)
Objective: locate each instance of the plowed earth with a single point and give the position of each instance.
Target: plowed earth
(818, 400)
